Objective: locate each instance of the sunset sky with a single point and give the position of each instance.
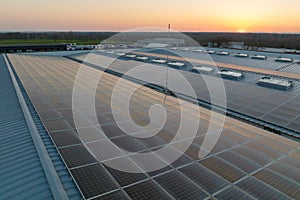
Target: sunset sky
(119, 15)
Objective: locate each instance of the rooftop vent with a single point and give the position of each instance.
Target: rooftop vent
(203, 70)
(185, 49)
(120, 54)
(241, 55)
(285, 60)
(259, 57)
(198, 50)
(231, 75)
(176, 64)
(159, 61)
(130, 55)
(223, 53)
(275, 83)
(142, 58)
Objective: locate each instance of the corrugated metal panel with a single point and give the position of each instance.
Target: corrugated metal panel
(21, 172)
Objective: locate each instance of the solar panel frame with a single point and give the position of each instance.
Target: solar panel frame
(259, 190)
(77, 155)
(179, 187)
(93, 180)
(146, 190)
(203, 177)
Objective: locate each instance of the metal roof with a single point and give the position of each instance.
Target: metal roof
(247, 161)
(30, 167)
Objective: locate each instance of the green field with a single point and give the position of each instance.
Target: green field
(46, 41)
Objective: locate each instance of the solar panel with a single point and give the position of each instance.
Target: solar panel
(56, 125)
(146, 190)
(182, 160)
(112, 130)
(151, 142)
(93, 180)
(254, 155)
(233, 193)
(120, 195)
(260, 190)
(179, 187)
(89, 134)
(223, 169)
(268, 151)
(284, 185)
(204, 178)
(49, 115)
(239, 161)
(75, 156)
(109, 153)
(125, 178)
(65, 138)
(128, 143)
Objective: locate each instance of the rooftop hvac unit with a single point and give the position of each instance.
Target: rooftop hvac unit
(203, 70)
(231, 75)
(259, 57)
(130, 56)
(184, 49)
(160, 61)
(275, 83)
(120, 54)
(285, 60)
(176, 64)
(198, 50)
(142, 58)
(241, 55)
(223, 53)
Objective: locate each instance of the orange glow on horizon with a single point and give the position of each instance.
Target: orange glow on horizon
(117, 15)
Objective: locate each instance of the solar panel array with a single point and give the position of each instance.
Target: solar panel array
(246, 163)
(275, 107)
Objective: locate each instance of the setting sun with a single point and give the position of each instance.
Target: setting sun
(242, 31)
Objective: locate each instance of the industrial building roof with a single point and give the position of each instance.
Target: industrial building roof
(246, 163)
(30, 167)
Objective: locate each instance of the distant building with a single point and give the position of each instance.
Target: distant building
(32, 48)
(236, 45)
(162, 42)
